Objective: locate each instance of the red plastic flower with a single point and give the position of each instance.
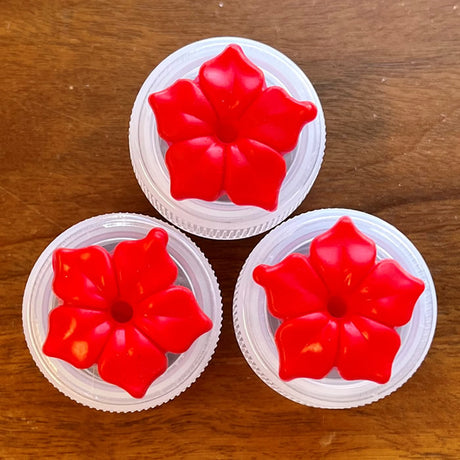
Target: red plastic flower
(122, 311)
(338, 307)
(227, 132)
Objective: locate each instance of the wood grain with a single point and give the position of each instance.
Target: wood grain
(388, 77)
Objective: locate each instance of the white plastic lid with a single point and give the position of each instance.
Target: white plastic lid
(222, 219)
(255, 327)
(85, 386)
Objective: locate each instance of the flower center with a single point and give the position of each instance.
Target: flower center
(121, 311)
(337, 307)
(227, 132)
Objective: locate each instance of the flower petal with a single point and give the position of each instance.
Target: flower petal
(367, 350)
(293, 288)
(307, 346)
(388, 294)
(182, 112)
(342, 256)
(253, 174)
(196, 168)
(143, 267)
(276, 119)
(131, 361)
(77, 335)
(84, 277)
(231, 82)
(172, 319)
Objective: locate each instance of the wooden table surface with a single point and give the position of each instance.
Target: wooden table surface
(387, 74)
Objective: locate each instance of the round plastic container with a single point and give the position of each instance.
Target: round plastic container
(222, 219)
(85, 386)
(255, 327)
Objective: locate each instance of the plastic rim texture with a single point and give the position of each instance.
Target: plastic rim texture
(222, 219)
(85, 386)
(255, 327)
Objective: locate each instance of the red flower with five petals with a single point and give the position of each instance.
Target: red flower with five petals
(122, 311)
(338, 307)
(227, 132)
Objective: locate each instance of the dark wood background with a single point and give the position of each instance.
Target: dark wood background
(387, 73)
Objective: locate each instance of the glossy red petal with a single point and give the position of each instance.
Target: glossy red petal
(307, 346)
(388, 294)
(144, 266)
(77, 335)
(131, 361)
(253, 174)
(367, 350)
(196, 169)
(182, 112)
(84, 277)
(172, 319)
(276, 119)
(342, 256)
(293, 288)
(231, 82)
